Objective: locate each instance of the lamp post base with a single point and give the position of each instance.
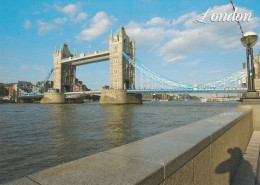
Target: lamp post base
(252, 95)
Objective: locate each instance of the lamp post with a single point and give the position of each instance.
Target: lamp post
(248, 40)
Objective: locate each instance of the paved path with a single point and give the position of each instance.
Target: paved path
(249, 170)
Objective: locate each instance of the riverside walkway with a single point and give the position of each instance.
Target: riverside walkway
(250, 174)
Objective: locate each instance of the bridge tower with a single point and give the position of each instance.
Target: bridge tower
(63, 74)
(122, 73)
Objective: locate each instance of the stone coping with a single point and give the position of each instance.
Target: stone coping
(147, 161)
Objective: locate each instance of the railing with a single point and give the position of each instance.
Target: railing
(188, 90)
(83, 92)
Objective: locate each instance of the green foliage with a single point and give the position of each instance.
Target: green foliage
(3, 91)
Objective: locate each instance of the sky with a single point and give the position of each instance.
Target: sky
(167, 39)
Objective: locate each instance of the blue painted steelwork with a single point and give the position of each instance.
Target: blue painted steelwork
(36, 91)
(188, 90)
(153, 75)
(31, 96)
(218, 84)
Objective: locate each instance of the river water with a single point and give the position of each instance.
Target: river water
(34, 137)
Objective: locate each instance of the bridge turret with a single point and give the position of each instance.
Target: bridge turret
(111, 37)
(122, 32)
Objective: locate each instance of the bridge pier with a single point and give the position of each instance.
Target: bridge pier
(53, 97)
(117, 96)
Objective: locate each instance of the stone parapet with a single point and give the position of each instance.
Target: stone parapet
(199, 153)
(253, 104)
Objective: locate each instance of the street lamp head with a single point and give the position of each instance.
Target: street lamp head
(249, 39)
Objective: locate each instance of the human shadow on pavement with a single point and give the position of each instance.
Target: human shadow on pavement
(231, 166)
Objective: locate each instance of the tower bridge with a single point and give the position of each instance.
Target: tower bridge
(122, 73)
(123, 62)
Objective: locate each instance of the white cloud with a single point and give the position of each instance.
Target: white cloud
(82, 16)
(192, 63)
(216, 71)
(45, 27)
(148, 36)
(27, 24)
(182, 18)
(39, 69)
(157, 21)
(60, 20)
(24, 67)
(70, 9)
(100, 24)
(183, 37)
(212, 35)
(171, 59)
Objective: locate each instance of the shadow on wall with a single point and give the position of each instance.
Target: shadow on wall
(231, 165)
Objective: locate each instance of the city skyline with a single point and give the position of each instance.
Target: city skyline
(167, 39)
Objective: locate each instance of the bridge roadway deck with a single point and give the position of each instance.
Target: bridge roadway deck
(186, 91)
(152, 91)
(96, 56)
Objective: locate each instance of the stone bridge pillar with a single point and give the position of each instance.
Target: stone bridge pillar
(122, 73)
(63, 77)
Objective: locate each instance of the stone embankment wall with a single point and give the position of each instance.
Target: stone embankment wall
(205, 152)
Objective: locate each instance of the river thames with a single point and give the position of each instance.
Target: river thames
(34, 137)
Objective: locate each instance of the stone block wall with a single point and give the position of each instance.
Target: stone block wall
(53, 97)
(217, 163)
(113, 96)
(117, 96)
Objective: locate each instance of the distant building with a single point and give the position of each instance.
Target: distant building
(26, 86)
(46, 87)
(165, 96)
(147, 96)
(79, 86)
(10, 88)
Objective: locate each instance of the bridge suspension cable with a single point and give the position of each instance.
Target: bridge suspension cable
(153, 75)
(221, 83)
(36, 91)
